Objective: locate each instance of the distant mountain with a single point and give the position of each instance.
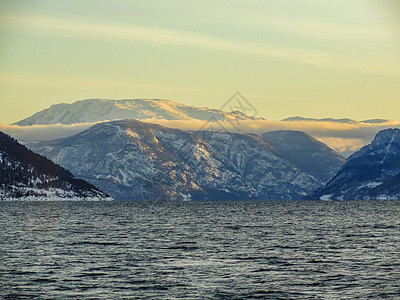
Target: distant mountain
(97, 110)
(375, 121)
(25, 175)
(371, 173)
(131, 159)
(306, 153)
(343, 120)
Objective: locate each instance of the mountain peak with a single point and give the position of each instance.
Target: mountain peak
(371, 173)
(386, 142)
(335, 120)
(98, 110)
(387, 136)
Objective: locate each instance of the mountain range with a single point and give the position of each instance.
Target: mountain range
(369, 174)
(342, 120)
(25, 175)
(98, 110)
(130, 159)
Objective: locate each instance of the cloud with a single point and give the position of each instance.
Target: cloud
(346, 146)
(26, 134)
(344, 138)
(105, 32)
(59, 26)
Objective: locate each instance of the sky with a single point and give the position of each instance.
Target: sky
(313, 58)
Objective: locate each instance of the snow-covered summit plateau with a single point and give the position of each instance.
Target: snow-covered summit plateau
(98, 110)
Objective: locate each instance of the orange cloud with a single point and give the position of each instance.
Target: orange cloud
(26, 134)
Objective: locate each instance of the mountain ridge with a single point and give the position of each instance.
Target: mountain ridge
(98, 110)
(306, 152)
(25, 175)
(372, 173)
(336, 120)
(134, 159)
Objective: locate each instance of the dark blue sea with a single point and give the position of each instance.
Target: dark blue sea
(200, 250)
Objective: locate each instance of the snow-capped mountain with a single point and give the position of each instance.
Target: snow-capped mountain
(97, 110)
(342, 120)
(371, 173)
(130, 159)
(25, 175)
(306, 153)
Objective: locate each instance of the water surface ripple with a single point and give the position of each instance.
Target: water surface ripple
(206, 250)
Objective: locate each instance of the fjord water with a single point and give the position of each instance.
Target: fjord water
(207, 250)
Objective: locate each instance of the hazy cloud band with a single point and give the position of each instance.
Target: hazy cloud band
(344, 138)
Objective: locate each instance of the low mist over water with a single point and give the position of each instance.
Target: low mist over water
(208, 250)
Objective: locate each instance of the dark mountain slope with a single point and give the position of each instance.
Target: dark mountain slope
(27, 175)
(371, 173)
(306, 153)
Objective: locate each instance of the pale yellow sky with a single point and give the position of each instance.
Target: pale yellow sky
(336, 58)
